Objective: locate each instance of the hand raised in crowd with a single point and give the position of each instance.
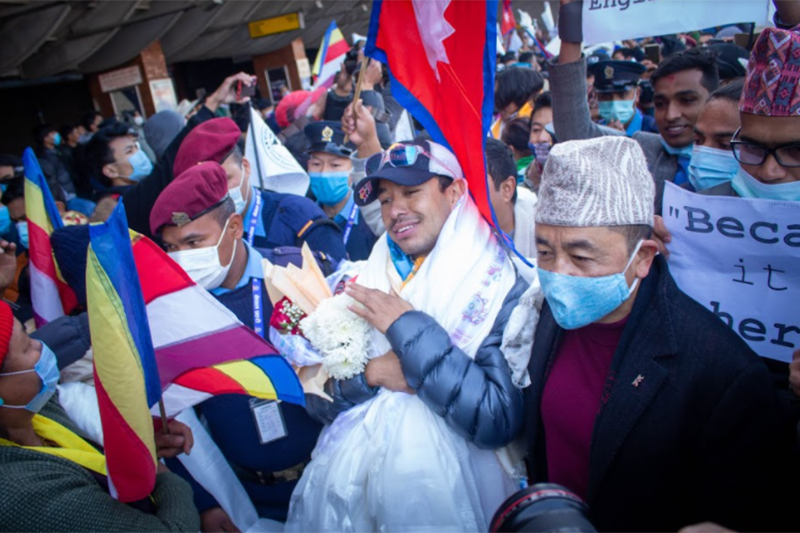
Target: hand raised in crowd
(179, 440)
(226, 93)
(794, 373)
(661, 235)
(385, 371)
(378, 308)
(215, 520)
(359, 124)
(8, 263)
(373, 76)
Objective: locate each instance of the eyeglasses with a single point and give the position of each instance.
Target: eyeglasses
(748, 153)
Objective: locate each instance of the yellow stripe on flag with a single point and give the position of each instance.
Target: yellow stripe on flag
(34, 207)
(115, 353)
(252, 379)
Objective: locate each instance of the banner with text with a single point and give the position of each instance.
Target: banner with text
(615, 20)
(739, 258)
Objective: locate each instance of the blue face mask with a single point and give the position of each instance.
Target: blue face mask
(621, 110)
(330, 188)
(577, 302)
(5, 220)
(711, 166)
(142, 167)
(57, 139)
(22, 229)
(685, 151)
(47, 370)
(749, 187)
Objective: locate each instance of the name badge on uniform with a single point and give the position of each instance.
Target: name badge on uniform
(269, 420)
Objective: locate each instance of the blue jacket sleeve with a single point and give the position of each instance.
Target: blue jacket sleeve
(475, 397)
(345, 393)
(67, 336)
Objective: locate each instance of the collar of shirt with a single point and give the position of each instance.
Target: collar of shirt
(260, 231)
(253, 269)
(343, 215)
(636, 124)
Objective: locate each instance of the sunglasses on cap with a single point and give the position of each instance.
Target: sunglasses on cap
(402, 156)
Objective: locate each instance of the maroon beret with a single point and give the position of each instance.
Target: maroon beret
(213, 140)
(192, 194)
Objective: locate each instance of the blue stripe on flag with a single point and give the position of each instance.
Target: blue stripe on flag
(284, 379)
(111, 244)
(34, 174)
(325, 44)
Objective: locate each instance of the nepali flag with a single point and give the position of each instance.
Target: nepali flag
(507, 22)
(50, 295)
(125, 373)
(441, 55)
(332, 51)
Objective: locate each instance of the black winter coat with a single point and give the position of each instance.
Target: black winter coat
(699, 436)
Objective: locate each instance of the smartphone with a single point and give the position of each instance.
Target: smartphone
(243, 90)
(652, 52)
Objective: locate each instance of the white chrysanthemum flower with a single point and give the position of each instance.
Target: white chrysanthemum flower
(342, 337)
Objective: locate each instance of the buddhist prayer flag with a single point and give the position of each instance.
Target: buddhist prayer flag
(268, 377)
(50, 295)
(331, 54)
(441, 56)
(125, 373)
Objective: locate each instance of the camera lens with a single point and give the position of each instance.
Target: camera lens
(544, 507)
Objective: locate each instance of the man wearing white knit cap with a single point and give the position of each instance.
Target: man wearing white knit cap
(641, 401)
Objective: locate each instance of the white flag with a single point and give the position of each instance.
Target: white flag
(547, 18)
(272, 165)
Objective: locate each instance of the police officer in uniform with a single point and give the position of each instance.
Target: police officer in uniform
(270, 219)
(616, 85)
(329, 167)
(198, 223)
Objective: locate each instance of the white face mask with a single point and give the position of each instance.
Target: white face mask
(203, 265)
(138, 120)
(239, 200)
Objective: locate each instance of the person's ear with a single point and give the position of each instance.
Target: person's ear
(457, 188)
(110, 171)
(508, 188)
(644, 258)
(236, 225)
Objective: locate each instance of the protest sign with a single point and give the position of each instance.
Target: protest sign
(740, 259)
(615, 20)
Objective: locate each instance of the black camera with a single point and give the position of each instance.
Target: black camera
(544, 507)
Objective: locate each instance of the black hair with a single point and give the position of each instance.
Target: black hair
(701, 59)
(731, 92)
(16, 189)
(633, 234)
(517, 85)
(501, 163)
(542, 101)
(99, 153)
(517, 134)
(88, 119)
(41, 131)
(526, 57)
(66, 130)
(224, 211)
(444, 182)
(236, 154)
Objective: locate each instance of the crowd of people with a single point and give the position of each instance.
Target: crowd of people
(553, 346)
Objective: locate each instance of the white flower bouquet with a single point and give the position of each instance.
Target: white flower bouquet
(340, 339)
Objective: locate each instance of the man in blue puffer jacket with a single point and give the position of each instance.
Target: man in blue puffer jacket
(439, 289)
